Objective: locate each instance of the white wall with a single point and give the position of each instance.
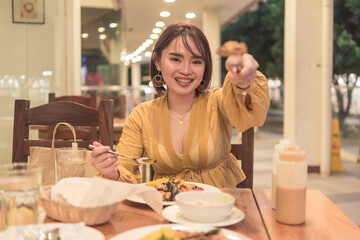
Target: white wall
(26, 51)
(307, 77)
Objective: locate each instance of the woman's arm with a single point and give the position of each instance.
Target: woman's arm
(247, 107)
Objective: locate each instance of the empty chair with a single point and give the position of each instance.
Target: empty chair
(119, 104)
(50, 114)
(82, 132)
(245, 153)
(87, 100)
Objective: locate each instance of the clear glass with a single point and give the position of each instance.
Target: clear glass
(70, 163)
(19, 193)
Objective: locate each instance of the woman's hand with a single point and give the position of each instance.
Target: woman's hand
(106, 163)
(243, 69)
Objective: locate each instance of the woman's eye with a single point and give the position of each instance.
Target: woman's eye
(198, 62)
(175, 59)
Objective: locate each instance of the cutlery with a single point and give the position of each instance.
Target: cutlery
(142, 160)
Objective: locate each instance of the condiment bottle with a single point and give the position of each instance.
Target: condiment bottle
(278, 147)
(291, 185)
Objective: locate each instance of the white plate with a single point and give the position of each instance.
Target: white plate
(173, 214)
(138, 233)
(68, 231)
(206, 187)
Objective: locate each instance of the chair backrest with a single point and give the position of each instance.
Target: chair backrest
(119, 104)
(89, 100)
(50, 114)
(82, 133)
(245, 153)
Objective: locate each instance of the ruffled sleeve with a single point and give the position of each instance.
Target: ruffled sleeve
(246, 108)
(131, 144)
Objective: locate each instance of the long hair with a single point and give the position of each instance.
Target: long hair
(186, 31)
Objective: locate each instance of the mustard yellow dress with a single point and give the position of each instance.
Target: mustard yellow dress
(206, 157)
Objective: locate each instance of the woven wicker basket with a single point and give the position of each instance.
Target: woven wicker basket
(65, 212)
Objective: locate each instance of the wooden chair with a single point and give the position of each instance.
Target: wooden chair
(243, 151)
(119, 104)
(50, 114)
(82, 132)
(89, 100)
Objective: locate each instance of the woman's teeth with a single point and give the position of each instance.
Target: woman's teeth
(183, 80)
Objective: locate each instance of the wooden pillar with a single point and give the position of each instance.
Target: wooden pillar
(212, 30)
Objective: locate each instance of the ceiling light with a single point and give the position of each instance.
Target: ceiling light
(160, 24)
(190, 15)
(101, 29)
(156, 30)
(154, 36)
(147, 54)
(141, 48)
(149, 41)
(47, 73)
(165, 14)
(169, 1)
(102, 36)
(84, 35)
(113, 25)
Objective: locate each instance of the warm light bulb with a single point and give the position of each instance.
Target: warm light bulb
(84, 35)
(154, 36)
(159, 24)
(156, 30)
(113, 25)
(190, 15)
(165, 14)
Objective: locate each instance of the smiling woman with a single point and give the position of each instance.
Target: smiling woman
(187, 129)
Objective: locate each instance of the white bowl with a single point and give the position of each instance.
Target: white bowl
(205, 207)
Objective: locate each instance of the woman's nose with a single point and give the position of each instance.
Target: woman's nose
(186, 68)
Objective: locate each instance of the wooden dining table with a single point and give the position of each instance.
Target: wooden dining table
(324, 220)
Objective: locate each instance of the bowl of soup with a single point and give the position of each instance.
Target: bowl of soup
(205, 207)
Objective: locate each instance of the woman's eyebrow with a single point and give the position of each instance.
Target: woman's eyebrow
(176, 54)
(180, 55)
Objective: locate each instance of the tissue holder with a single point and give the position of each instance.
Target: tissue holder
(64, 212)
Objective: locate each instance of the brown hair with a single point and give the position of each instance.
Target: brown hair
(184, 30)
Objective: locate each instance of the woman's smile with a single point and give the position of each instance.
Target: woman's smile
(184, 80)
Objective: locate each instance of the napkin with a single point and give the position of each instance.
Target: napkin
(96, 192)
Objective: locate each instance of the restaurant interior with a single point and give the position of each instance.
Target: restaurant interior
(102, 48)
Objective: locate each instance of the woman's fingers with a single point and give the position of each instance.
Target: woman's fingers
(97, 144)
(244, 76)
(107, 162)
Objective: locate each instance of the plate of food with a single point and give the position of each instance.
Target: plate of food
(172, 231)
(170, 186)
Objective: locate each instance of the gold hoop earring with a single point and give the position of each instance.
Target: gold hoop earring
(158, 80)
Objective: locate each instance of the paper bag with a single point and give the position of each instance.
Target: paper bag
(45, 157)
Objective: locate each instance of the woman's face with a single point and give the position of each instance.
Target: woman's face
(181, 70)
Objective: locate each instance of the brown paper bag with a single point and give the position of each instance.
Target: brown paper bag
(45, 157)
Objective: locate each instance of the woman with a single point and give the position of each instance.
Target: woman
(188, 129)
